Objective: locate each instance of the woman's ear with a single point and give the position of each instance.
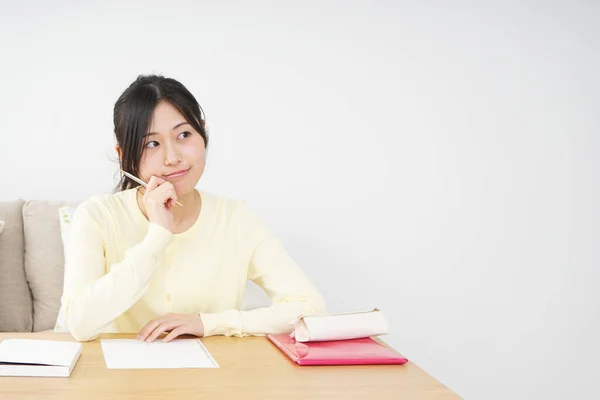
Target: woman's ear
(118, 150)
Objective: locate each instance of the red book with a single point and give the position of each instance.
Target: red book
(361, 351)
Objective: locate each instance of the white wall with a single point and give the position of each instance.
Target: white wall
(439, 161)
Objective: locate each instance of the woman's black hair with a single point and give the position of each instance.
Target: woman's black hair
(133, 115)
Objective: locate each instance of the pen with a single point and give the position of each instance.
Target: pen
(141, 182)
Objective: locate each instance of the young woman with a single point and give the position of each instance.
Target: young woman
(139, 262)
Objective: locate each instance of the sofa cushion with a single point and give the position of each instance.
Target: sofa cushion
(16, 313)
(44, 261)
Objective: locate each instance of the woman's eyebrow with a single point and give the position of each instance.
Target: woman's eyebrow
(175, 127)
(179, 124)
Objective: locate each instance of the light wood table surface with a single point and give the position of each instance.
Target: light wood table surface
(250, 368)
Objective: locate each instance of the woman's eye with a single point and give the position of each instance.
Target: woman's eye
(151, 144)
(184, 134)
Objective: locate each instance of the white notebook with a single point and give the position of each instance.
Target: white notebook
(29, 357)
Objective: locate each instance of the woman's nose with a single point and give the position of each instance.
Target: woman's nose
(172, 154)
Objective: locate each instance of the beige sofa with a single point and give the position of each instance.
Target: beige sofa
(32, 267)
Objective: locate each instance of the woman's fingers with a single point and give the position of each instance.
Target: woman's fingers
(163, 327)
(177, 324)
(159, 198)
(180, 330)
(149, 328)
(154, 182)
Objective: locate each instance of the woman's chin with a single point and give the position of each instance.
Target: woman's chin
(183, 188)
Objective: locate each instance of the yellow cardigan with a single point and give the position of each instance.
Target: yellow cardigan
(122, 271)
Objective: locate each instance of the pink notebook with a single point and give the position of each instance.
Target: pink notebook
(339, 352)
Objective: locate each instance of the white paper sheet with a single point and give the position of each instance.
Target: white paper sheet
(133, 354)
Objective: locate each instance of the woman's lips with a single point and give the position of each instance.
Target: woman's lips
(177, 174)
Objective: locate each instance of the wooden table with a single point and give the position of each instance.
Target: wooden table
(250, 368)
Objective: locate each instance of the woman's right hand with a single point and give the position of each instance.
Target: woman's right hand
(159, 199)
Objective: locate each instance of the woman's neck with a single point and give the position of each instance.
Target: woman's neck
(184, 217)
(192, 202)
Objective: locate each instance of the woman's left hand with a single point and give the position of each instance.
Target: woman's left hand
(175, 324)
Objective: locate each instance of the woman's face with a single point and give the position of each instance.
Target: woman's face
(172, 150)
